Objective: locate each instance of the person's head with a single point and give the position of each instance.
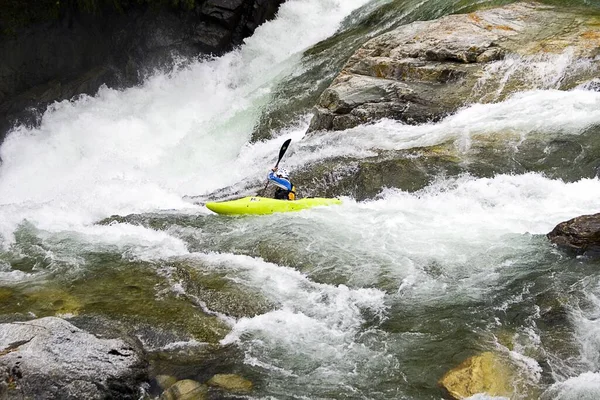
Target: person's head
(282, 173)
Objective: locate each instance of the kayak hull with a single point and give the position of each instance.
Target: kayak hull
(255, 205)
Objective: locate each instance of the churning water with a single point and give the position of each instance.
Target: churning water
(374, 299)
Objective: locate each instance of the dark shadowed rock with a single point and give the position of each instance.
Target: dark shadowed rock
(49, 358)
(580, 234)
(77, 51)
(424, 71)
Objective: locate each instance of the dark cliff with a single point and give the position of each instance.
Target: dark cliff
(54, 50)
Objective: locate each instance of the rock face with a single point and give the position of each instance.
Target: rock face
(78, 51)
(425, 70)
(580, 234)
(49, 358)
(483, 373)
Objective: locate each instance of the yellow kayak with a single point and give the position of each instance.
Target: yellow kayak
(265, 205)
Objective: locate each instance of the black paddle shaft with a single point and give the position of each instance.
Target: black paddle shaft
(282, 151)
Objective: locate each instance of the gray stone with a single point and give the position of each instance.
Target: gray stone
(49, 358)
(424, 71)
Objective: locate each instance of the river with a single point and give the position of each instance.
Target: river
(374, 299)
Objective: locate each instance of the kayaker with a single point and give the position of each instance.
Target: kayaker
(285, 189)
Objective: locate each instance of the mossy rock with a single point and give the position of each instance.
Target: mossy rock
(165, 381)
(221, 294)
(52, 301)
(484, 373)
(121, 290)
(41, 301)
(5, 294)
(131, 293)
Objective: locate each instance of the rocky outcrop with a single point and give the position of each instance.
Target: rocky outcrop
(76, 51)
(580, 235)
(49, 358)
(425, 70)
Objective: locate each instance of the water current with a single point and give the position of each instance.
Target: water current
(373, 299)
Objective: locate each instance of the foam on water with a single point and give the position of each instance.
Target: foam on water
(315, 323)
(585, 318)
(583, 387)
(466, 227)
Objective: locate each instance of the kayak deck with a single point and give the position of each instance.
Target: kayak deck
(263, 205)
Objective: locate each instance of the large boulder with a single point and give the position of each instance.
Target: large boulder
(423, 71)
(49, 358)
(580, 234)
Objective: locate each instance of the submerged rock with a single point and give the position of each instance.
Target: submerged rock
(483, 373)
(580, 234)
(186, 389)
(50, 358)
(165, 381)
(218, 293)
(425, 70)
(231, 383)
(52, 301)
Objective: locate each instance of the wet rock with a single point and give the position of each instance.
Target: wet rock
(218, 293)
(50, 358)
(51, 301)
(231, 383)
(197, 362)
(128, 293)
(426, 70)
(580, 235)
(5, 294)
(186, 389)
(165, 381)
(483, 373)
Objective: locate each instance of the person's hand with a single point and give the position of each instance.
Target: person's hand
(274, 169)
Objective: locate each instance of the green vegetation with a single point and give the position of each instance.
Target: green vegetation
(15, 14)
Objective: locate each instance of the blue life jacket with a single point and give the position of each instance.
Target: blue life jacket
(285, 189)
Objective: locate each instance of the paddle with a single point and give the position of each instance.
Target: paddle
(282, 151)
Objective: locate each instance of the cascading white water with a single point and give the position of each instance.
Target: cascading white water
(144, 148)
(458, 241)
